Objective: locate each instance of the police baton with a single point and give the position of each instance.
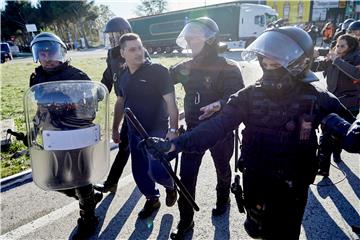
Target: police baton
(181, 188)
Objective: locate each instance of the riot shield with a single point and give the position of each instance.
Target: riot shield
(67, 126)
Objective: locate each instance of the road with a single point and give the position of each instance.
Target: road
(27, 212)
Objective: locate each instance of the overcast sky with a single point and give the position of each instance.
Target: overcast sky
(126, 8)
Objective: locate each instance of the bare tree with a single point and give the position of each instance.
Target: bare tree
(151, 7)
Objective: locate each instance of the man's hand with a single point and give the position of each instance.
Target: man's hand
(209, 110)
(116, 136)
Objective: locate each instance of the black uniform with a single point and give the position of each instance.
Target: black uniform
(278, 166)
(84, 194)
(206, 79)
(110, 77)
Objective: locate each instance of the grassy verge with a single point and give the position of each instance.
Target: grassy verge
(15, 81)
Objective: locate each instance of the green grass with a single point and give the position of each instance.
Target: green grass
(15, 81)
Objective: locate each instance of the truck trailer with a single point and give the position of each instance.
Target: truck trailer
(239, 24)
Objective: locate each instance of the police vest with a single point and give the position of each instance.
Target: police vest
(271, 139)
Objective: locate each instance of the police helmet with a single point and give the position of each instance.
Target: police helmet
(346, 23)
(291, 47)
(117, 24)
(48, 46)
(202, 28)
(354, 26)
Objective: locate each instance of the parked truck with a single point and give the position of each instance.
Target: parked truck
(239, 23)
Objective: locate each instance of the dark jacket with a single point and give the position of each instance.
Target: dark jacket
(63, 72)
(271, 139)
(343, 79)
(206, 79)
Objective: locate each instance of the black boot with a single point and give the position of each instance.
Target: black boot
(106, 187)
(86, 227)
(151, 205)
(182, 229)
(222, 205)
(337, 157)
(171, 197)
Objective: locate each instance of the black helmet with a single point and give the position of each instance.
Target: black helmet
(291, 47)
(118, 24)
(354, 26)
(346, 23)
(49, 43)
(203, 27)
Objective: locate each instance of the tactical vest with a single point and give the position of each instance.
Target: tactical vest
(271, 139)
(202, 87)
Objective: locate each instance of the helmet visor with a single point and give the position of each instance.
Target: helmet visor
(275, 46)
(48, 51)
(194, 32)
(112, 39)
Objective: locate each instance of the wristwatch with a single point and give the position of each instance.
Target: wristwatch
(173, 130)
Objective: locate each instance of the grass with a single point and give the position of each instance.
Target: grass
(15, 81)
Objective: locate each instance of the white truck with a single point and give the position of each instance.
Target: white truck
(239, 23)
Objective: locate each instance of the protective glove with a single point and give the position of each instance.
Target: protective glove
(157, 147)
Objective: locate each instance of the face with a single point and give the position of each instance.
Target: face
(46, 61)
(133, 53)
(269, 64)
(196, 44)
(341, 47)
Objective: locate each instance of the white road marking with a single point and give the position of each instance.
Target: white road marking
(28, 228)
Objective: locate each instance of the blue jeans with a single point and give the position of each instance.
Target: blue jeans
(147, 170)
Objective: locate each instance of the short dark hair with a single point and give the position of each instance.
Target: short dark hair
(128, 37)
(351, 41)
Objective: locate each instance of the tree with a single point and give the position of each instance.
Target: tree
(151, 7)
(105, 14)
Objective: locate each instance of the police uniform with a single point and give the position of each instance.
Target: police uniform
(84, 194)
(278, 167)
(206, 79)
(281, 113)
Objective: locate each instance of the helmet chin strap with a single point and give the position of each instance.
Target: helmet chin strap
(277, 81)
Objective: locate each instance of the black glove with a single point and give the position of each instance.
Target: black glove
(156, 146)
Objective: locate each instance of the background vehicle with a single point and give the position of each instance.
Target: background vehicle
(5, 52)
(239, 23)
(14, 48)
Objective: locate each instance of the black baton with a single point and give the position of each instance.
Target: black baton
(182, 190)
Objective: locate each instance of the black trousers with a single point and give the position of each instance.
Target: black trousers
(189, 170)
(85, 195)
(274, 207)
(121, 158)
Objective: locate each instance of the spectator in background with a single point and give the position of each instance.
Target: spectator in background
(313, 32)
(327, 33)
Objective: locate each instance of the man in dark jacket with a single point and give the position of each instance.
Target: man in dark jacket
(49, 50)
(208, 81)
(281, 113)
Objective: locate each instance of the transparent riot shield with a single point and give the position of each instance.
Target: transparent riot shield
(68, 133)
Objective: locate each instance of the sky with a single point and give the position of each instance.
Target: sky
(127, 8)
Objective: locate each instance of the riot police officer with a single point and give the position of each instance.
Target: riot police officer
(114, 29)
(354, 29)
(208, 81)
(50, 51)
(280, 113)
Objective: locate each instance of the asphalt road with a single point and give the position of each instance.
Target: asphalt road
(28, 212)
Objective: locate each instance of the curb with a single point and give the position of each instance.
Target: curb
(26, 176)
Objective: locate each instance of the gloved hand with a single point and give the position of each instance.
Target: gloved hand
(156, 146)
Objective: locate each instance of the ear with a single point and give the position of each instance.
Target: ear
(121, 52)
